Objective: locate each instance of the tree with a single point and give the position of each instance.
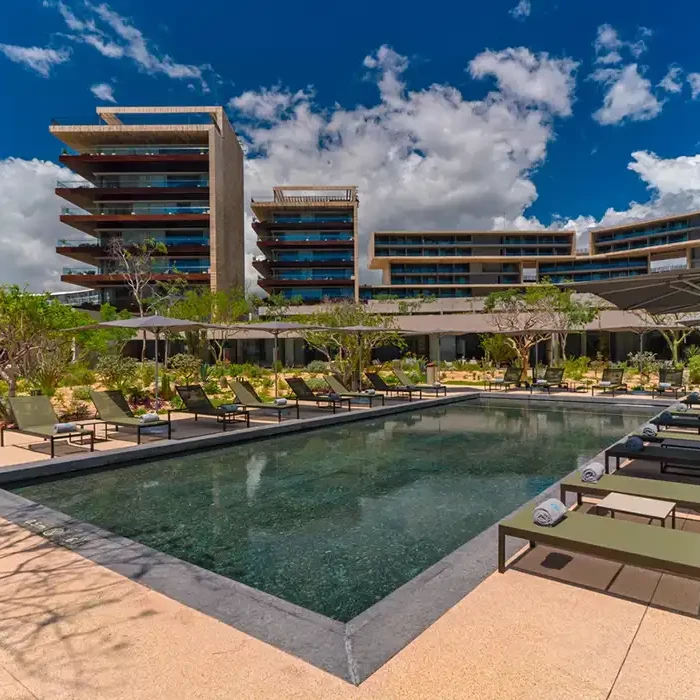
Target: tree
(343, 349)
(672, 330)
(572, 314)
(497, 348)
(107, 341)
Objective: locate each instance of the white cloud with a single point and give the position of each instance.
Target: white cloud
(104, 92)
(628, 96)
(29, 224)
(522, 9)
(114, 36)
(694, 82)
(609, 47)
(673, 80)
(41, 60)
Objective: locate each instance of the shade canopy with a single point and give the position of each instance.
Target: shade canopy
(155, 324)
(272, 327)
(657, 292)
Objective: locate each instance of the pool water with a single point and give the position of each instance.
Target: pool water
(337, 518)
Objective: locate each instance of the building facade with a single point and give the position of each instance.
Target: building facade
(172, 175)
(459, 264)
(308, 239)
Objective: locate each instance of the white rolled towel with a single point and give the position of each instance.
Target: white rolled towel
(649, 430)
(65, 428)
(680, 407)
(590, 473)
(369, 392)
(664, 385)
(150, 418)
(437, 385)
(549, 512)
(281, 402)
(604, 383)
(540, 381)
(498, 380)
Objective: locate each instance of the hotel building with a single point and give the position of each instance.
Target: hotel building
(173, 175)
(308, 239)
(459, 264)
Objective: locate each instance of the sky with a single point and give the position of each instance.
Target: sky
(509, 114)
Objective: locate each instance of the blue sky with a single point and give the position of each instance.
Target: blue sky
(550, 65)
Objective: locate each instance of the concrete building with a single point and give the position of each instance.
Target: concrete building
(308, 239)
(169, 174)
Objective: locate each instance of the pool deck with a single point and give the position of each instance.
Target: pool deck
(553, 624)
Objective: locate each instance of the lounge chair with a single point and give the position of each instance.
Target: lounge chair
(338, 388)
(669, 380)
(684, 457)
(197, 402)
(635, 544)
(553, 379)
(113, 409)
(304, 392)
(406, 381)
(248, 398)
(611, 381)
(512, 377)
(400, 390)
(677, 420)
(35, 416)
(671, 437)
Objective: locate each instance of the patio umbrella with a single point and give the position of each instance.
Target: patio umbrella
(275, 329)
(155, 324)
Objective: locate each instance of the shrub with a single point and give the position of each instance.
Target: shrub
(497, 348)
(186, 367)
(117, 372)
(691, 351)
(317, 367)
(78, 374)
(694, 369)
(576, 368)
(146, 374)
(211, 387)
(317, 384)
(81, 393)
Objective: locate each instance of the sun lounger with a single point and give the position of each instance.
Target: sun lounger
(512, 377)
(35, 416)
(553, 379)
(380, 385)
(670, 380)
(248, 398)
(611, 381)
(677, 420)
(685, 457)
(635, 544)
(338, 388)
(406, 381)
(113, 409)
(303, 392)
(673, 437)
(197, 402)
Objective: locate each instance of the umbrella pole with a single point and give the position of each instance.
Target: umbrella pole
(156, 371)
(359, 362)
(274, 360)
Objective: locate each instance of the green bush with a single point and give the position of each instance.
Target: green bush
(694, 369)
(317, 367)
(317, 384)
(211, 387)
(497, 348)
(146, 374)
(81, 393)
(186, 367)
(78, 374)
(118, 372)
(576, 368)
(691, 351)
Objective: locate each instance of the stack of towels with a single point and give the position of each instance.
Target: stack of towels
(65, 428)
(649, 430)
(591, 473)
(549, 512)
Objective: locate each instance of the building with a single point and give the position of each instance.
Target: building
(169, 174)
(308, 239)
(459, 264)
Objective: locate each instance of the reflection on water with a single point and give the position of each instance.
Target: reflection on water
(335, 519)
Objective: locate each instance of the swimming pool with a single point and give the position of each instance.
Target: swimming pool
(335, 519)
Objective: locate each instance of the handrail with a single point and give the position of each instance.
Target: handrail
(125, 210)
(133, 182)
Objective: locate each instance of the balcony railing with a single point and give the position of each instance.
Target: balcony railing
(168, 268)
(307, 237)
(96, 243)
(137, 182)
(142, 151)
(320, 219)
(321, 275)
(637, 233)
(81, 271)
(138, 211)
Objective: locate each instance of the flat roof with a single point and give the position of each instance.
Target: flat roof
(483, 232)
(644, 222)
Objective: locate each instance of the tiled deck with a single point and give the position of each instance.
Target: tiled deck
(554, 625)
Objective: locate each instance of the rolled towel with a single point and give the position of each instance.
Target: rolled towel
(665, 385)
(694, 395)
(150, 418)
(369, 392)
(230, 407)
(665, 416)
(281, 402)
(649, 430)
(540, 381)
(549, 512)
(606, 383)
(65, 428)
(634, 443)
(498, 380)
(590, 473)
(437, 385)
(680, 407)
(333, 396)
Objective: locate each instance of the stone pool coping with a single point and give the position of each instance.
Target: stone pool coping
(352, 650)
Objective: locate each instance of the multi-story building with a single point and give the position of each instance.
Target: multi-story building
(450, 264)
(172, 175)
(308, 237)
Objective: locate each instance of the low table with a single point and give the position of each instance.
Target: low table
(636, 505)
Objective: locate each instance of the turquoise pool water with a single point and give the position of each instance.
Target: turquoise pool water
(337, 518)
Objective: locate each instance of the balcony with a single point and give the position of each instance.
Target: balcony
(137, 209)
(322, 275)
(640, 232)
(135, 182)
(119, 150)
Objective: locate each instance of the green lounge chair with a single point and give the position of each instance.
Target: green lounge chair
(553, 379)
(380, 385)
(35, 416)
(671, 377)
(683, 457)
(248, 398)
(611, 381)
(683, 495)
(337, 387)
(113, 409)
(634, 544)
(406, 381)
(512, 377)
(304, 392)
(197, 402)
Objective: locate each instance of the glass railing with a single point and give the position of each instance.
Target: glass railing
(594, 276)
(145, 150)
(313, 275)
(136, 211)
(636, 233)
(316, 294)
(321, 257)
(184, 266)
(307, 237)
(643, 243)
(81, 271)
(594, 265)
(144, 182)
(424, 253)
(320, 219)
(95, 243)
(77, 243)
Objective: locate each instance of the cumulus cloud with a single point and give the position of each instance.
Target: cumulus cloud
(628, 97)
(104, 92)
(673, 80)
(608, 45)
(522, 10)
(694, 82)
(41, 60)
(115, 36)
(29, 224)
